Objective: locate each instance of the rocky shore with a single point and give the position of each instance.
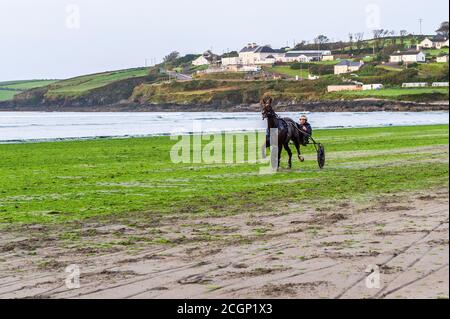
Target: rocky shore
(364, 105)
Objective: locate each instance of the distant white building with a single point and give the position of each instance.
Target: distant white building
(415, 85)
(369, 87)
(442, 59)
(408, 57)
(231, 61)
(347, 87)
(437, 42)
(207, 58)
(347, 66)
(254, 54)
(440, 84)
(201, 60)
(307, 56)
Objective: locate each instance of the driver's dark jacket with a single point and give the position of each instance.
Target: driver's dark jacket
(308, 128)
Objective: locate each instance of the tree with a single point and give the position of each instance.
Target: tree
(350, 39)
(443, 29)
(403, 34)
(321, 39)
(359, 38)
(377, 33)
(171, 56)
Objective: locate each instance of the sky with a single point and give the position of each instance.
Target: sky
(56, 39)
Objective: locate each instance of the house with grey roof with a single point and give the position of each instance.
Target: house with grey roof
(436, 42)
(207, 58)
(347, 66)
(411, 56)
(254, 54)
(305, 55)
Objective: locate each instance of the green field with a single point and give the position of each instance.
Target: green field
(25, 85)
(79, 85)
(396, 92)
(6, 95)
(432, 69)
(435, 52)
(10, 88)
(286, 70)
(72, 180)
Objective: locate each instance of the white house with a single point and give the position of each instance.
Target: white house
(415, 85)
(370, 87)
(254, 54)
(307, 56)
(408, 57)
(437, 42)
(207, 58)
(425, 44)
(201, 60)
(231, 61)
(347, 66)
(440, 84)
(442, 59)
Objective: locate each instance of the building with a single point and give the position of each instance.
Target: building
(339, 88)
(307, 56)
(415, 85)
(231, 61)
(437, 42)
(347, 66)
(254, 54)
(442, 59)
(408, 57)
(370, 87)
(425, 44)
(207, 58)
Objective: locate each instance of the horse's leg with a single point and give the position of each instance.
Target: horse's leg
(286, 147)
(299, 154)
(280, 149)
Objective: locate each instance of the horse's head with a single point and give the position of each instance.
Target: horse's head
(266, 103)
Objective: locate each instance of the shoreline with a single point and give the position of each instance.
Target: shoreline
(123, 137)
(362, 105)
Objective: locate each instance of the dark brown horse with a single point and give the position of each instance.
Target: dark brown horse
(286, 128)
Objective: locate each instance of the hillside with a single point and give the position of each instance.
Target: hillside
(153, 88)
(85, 91)
(11, 88)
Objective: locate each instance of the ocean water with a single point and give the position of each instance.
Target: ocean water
(37, 126)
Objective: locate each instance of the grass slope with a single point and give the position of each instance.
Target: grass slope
(396, 92)
(61, 181)
(10, 88)
(79, 85)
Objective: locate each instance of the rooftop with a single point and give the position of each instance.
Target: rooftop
(350, 63)
(411, 52)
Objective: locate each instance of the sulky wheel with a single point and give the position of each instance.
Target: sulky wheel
(321, 155)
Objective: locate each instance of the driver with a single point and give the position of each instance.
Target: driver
(304, 126)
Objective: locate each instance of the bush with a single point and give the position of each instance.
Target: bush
(200, 85)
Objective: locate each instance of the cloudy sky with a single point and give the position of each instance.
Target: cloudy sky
(61, 39)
